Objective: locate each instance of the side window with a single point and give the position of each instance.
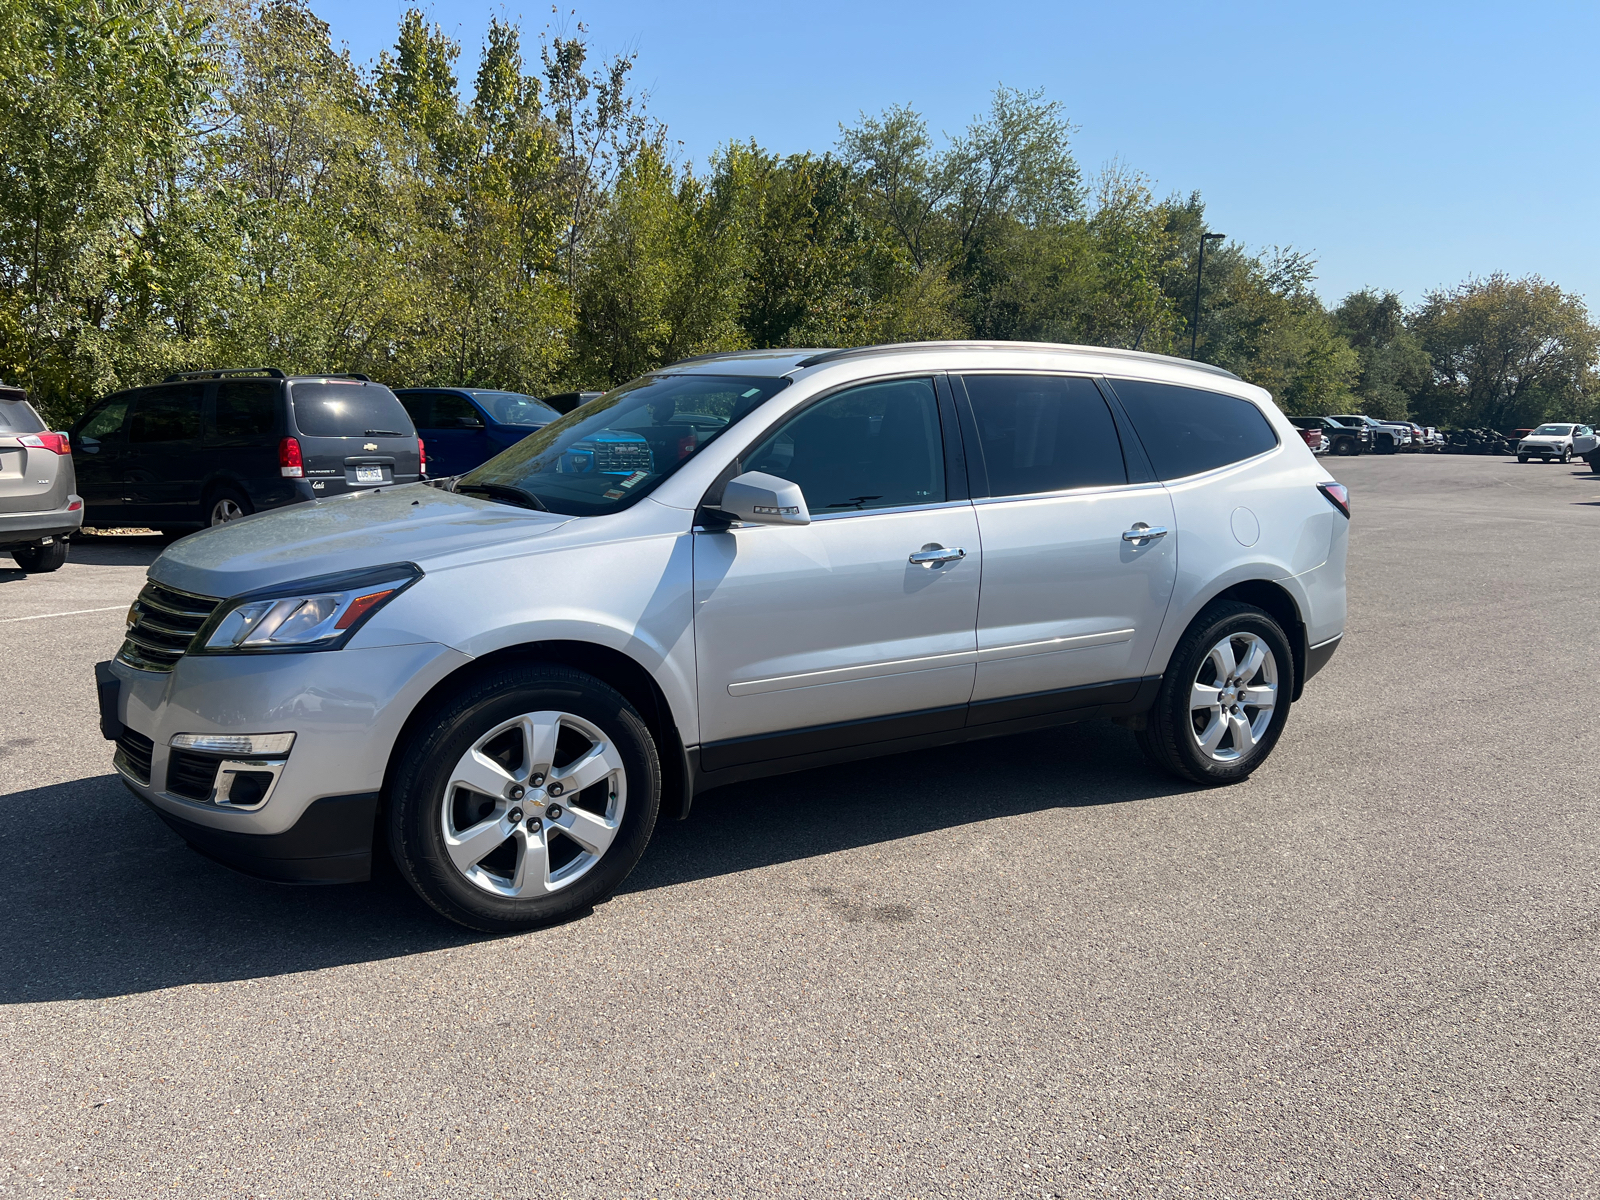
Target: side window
(1186, 430)
(451, 411)
(1044, 433)
(247, 408)
(105, 421)
(876, 446)
(419, 407)
(167, 414)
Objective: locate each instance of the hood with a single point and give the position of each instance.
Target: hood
(413, 523)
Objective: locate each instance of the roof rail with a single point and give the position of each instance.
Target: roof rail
(219, 372)
(346, 375)
(827, 356)
(783, 352)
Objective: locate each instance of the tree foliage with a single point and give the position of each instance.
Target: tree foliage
(191, 183)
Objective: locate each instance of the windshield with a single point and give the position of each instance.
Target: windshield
(606, 454)
(349, 409)
(1553, 430)
(513, 408)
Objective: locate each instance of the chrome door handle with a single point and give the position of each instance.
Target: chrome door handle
(1144, 533)
(934, 555)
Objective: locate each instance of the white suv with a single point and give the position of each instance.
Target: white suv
(736, 566)
(1559, 442)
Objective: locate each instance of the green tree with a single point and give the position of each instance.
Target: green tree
(1394, 367)
(1506, 353)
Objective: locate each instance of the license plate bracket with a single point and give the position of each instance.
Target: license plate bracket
(369, 474)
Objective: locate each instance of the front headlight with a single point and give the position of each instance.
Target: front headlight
(308, 614)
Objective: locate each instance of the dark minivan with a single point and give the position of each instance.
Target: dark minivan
(206, 447)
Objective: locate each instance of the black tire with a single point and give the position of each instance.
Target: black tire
(1545, 459)
(416, 807)
(222, 505)
(36, 560)
(1522, 458)
(1169, 739)
(1594, 464)
(1566, 456)
(1344, 448)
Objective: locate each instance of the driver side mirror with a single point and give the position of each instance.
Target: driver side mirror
(761, 499)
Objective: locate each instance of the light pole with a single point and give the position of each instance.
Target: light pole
(1194, 329)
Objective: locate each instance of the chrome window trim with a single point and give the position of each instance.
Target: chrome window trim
(1278, 449)
(1072, 493)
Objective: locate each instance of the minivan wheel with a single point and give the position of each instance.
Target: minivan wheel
(1224, 699)
(226, 505)
(530, 797)
(37, 559)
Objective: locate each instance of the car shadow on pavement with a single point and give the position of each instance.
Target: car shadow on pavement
(107, 901)
(119, 551)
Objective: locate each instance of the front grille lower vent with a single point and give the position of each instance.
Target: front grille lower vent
(191, 775)
(133, 754)
(164, 623)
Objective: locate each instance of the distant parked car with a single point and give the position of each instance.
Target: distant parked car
(463, 427)
(565, 402)
(207, 447)
(1339, 438)
(1387, 437)
(39, 503)
(1559, 442)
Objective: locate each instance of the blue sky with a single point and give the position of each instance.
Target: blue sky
(1405, 145)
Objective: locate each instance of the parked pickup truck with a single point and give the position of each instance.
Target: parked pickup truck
(1341, 439)
(1388, 437)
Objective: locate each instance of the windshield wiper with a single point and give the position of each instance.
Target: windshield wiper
(505, 493)
(381, 433)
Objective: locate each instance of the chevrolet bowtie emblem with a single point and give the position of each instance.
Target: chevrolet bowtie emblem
(370, 446)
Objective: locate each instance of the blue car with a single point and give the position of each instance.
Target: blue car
(463, 427)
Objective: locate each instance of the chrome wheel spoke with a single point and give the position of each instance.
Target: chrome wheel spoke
(1204, 695)
(600, 761)
(539, 734)
(589, 830)
(532, 877)
(1222, 658)
(1244, 739)
(1253, 659)
(480, 773)
(1262, 695)
(1211, 736)
(471, 846)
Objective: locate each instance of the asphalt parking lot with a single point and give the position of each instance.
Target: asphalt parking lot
(1016, 968)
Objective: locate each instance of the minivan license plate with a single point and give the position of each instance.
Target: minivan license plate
(369, 474)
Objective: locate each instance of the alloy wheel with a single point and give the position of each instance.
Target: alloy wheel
(1233, 697)
(226, 509)
(533, 805)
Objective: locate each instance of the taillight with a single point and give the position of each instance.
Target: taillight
(422, 456)
(290, 464)
(1338, 495)
(56, 443)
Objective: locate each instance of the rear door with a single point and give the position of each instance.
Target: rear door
(165, 459)
(457, 437)
(1072, 600)
(352, 434)
(243, 426)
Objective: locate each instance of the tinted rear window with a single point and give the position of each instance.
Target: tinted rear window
(18, 417)
(349, 410)
(1186, 430)
(1044, 433)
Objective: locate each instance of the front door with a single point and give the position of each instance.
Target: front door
(99, 444)
(818, 637)
(456, 438)
(1073, 595)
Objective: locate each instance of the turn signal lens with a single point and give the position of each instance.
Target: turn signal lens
(290, 464)
(360, 607)
(234, 743)
(1338, 495)
(422, 456)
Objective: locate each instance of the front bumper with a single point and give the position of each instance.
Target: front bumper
(346, 709)
(20, 528)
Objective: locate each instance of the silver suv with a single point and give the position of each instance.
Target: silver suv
(39, 503)
(736, 566)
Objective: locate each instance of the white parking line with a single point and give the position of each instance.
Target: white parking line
(74, 613)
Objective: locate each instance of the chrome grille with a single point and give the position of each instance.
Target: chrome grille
(164, 622)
